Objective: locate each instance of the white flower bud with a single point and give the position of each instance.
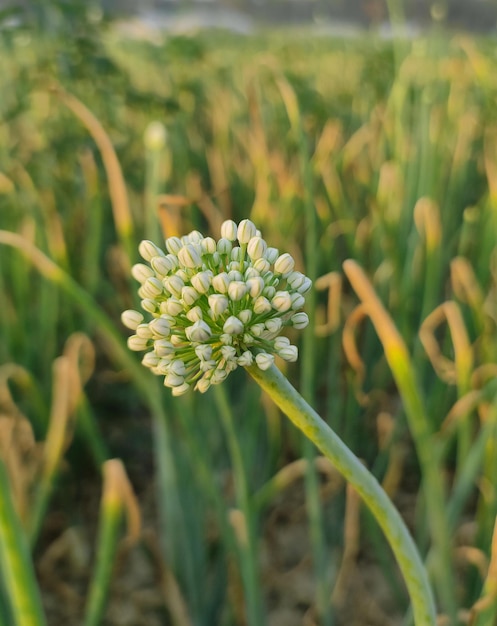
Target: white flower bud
(306, 285)
(281, 301)
(284, 264)
(160, 327)
(237, 289)
(163, 347)
(202, 385)
(148, 250)
(202, 281)
(131, 319)
(281, 342)
(271, 255)
(228, 230)
(161, 265)
(218, 304)
(221, 282)
(177, 367)
(173, 380)
(274, 325)
(171, 306)
(289, 353)
(144, 331)
(298, 301)
(203, 351)
(261, 305)
(189, 295)
(246, 359)
(177, 341)
(295, 280)
(224, 246)
(251, 272)
(200, 332)
(228, 352)
(219, 376)
(269, 292)
(248, 339)
(185, 277)
(216, 259)
(173, 245)
(152, 287)
(149, 305)
(246, 230)
(245, 316)
(195, 314)
(256, 248)
(163, 365)
(141, 272)
(189, 256)
(208, 245)
(233, 326)
(264, 360)
(235, 275)
(180, 389)
(150, 359)
(194, 237)
(255, 286)
(262, 265)
(236, 254)
(137, 344)
(174, 285)
(208, 365)
(257, 329)
(299, 320)
(173, 260)
(226, 338)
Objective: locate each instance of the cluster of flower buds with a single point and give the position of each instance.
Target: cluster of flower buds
(215, 305)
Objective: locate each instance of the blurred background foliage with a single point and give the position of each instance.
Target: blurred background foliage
(390, 145)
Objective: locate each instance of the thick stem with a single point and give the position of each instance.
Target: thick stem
(308, 421)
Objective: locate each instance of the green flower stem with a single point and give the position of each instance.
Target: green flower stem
(15, 562)
(248, 550)
(308, 421)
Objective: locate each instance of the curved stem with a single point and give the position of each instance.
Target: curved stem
(308, 421)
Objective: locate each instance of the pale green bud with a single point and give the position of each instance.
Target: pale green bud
(264, 360)
(228, 230)
(246, 230)
(228, 352)
(137, 344)
(202, 281)
(221, 282)
(200, 332)
(161, 265)
(226, 338)
(208, 365)
(141, 272)
(233, 326)
(251, 272)
(144, 331)
(173, 259)
(245, 316)
(261, 305)
(173, 245)
(160, 327)
(236, 254)
(171, 306)
(237, 289)
(262, 265)
(148, 250)
(208, 245)
(189, 295)
(246, 359)
(185, 277)
(219, 376)
(177, 367)
(202, 385)
(255, 286)
(163, 347)
(174, 285)
(284, 264)
(299, 320)
(203, 351)
(269, 292)
(180, 389)
(189, 256)
(295, 280)
(281, 342)
(195, 314)
(173, 380)
(274, 325)
(306, 285)
(149, 305)
(224, 246)
(298, 301)
(151, 359)
(235, 275)
(218, 304)
(151, 288)
(256, 248)
(194, 237)
(271, 255)
(131, 319)
(289, 353)
(257, 329)
(281, 301)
